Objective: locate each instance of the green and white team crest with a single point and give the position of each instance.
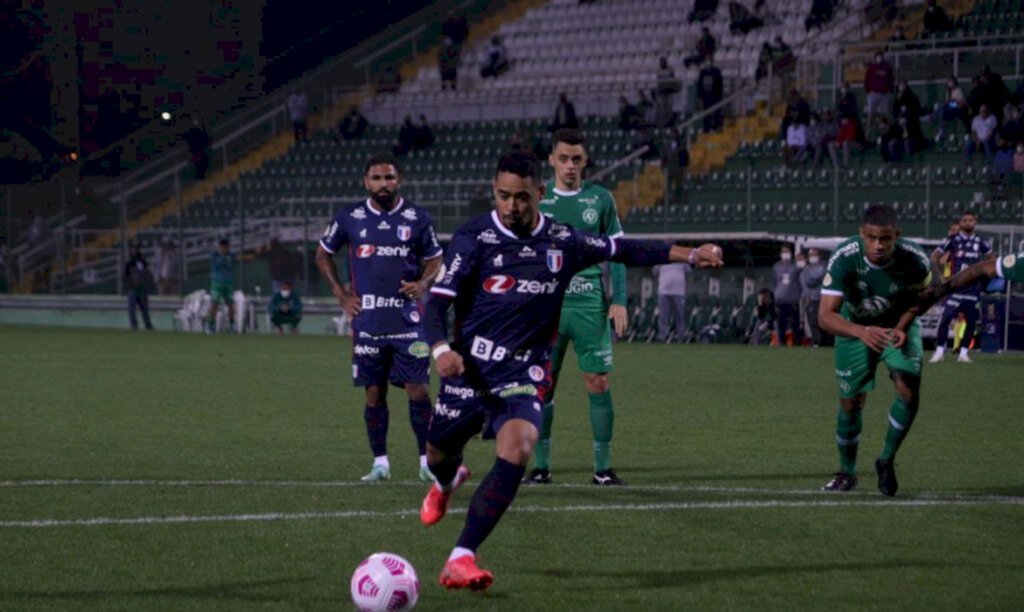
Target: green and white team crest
(871, 307)
(590, 216)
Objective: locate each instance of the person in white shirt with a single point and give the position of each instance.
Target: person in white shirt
(983, 132)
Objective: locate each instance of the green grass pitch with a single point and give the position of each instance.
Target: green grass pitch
(723, 447)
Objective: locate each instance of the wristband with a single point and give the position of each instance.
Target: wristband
(693, 256)
(440, 349)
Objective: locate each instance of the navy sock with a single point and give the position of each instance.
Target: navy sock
(445, 471)
(492, 498)
(419, 416)
(376, 418)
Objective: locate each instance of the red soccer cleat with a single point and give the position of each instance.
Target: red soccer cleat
(462, 573)
(435, 504)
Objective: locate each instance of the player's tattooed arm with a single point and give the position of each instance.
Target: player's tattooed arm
(348, 300)
(419, 287)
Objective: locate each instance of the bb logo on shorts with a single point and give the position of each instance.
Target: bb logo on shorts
(536, 373)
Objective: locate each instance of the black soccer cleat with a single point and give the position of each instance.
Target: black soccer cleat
(887, 477)
(538, 476)
(841, 483)
(606, 478)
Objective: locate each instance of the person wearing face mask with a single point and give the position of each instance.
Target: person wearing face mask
(787, 298)
(285, 308)
(812, 274)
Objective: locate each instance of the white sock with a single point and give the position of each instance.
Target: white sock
(382, 461)
(940, 349)
(963, 351)
(458, 551)
(423, 461)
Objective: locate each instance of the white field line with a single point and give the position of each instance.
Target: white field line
(236, 482)
(661, 507)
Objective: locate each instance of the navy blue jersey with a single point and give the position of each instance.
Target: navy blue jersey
(384, 249)
(508, 293)
(965, 251)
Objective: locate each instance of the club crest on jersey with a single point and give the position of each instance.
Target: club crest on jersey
(404, 232)
(359, 213)
(555, 260)
(536, 373)
(590, 215)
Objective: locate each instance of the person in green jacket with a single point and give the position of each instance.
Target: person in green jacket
(285, 308)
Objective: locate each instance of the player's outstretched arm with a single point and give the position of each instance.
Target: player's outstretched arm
(348, 300)
(963, 279)
(643, 253)
(829, 319)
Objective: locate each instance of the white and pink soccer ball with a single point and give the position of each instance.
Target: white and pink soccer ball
(385, 582)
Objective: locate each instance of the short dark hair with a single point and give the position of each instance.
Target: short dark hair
(569, 136)
(382, 159)
(969, 211)
(880, 215)
(520, 163)
(223, 241)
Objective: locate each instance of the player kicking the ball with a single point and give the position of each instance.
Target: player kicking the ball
(867, 302)
(506, 273)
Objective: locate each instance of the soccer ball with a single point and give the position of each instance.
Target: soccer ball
(385, 581)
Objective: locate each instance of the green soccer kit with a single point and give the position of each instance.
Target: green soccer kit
(1011, 267)
(875, 296)
(584, 316)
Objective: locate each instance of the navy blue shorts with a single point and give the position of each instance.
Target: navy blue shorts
(377, 360)
(462, 412)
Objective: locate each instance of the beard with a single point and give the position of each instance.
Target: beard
(384, 198)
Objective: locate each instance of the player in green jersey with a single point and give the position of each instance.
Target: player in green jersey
(584, 317)
(868, 301)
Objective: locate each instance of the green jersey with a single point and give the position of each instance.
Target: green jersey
(876, 295)
(1011, 267)
(590, 209)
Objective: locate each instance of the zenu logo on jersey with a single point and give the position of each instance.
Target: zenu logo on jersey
(368, 250)
(500, 284)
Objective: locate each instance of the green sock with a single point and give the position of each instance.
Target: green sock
(848, 428)
(901, 417)
(542, 454)
(602, 419)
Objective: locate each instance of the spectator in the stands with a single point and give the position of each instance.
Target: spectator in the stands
(704, 49)
(821, 133)
(710, 90)
(668, 87)
(879, 80)
(645, 105)
(703, 10)
(763, 12)
(496, 61)
(899, 34)
(1018, 159)
(448, 63)
(846, 139)
(353, 125)
(795, 150)
(798, 110)
(1012, 131)
(983, 131)
(298, 112)
(953, 111)
(998, 94)
(848, 109)
(629, 115)
(936, 21)
(674, 159)
(198, 142)
(390, 81)
(906, 108)
(821, 13)
(565, 115)
(742, 20)
(423, 137)
(783, 60)
(456, 28)
(406, 137)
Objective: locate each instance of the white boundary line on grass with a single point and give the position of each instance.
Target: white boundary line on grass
(237, 482)
(296, 516)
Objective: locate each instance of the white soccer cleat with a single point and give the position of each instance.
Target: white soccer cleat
(377, 474)
(937, 357)
(964, 359)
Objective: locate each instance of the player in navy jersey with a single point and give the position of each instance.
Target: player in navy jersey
(393, 257)
(506, 273)
(965, 249)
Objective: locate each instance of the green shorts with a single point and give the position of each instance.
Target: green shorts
(856, 363)
(591, 335)
(222, 292)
